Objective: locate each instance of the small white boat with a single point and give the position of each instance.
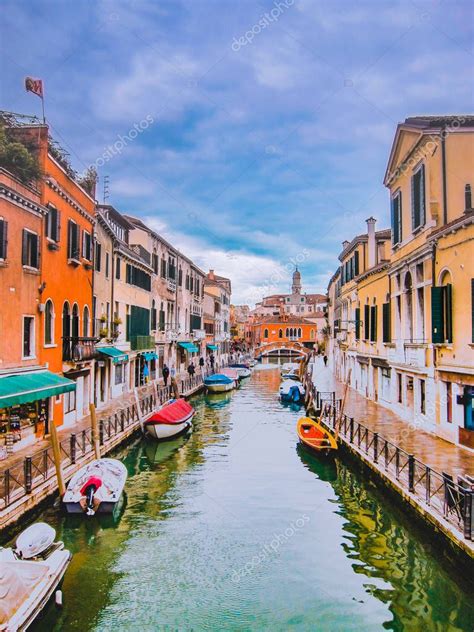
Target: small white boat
(233, 374)
(96, 487)
(29, 575)
(219, 383)
(289, 367)
(292, 391)
(242, 370)
(172, 419)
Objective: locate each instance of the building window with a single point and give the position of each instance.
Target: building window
(98, 256)
(280, 333)
(163, 268)
(66, 321)
(366, 322)
(467, 198)
(69, 402)
(3, 238)
(117, 268)
(418, 198)
(408, 308)
(153, 315)
(73, 233)
(75, 321)
(449, 402)
(30, 251)
(442, 314)
(53, 224)
(422, 397)
(49, 323)
(155, 262)
(119, 373)
(106, 265)
(180, 277)
(397, 232)
(399, 388)
(85, 322)
(28, 337)
(311, 334)
(299, 332)
(386, 333)
(87, 245)
(265, 333)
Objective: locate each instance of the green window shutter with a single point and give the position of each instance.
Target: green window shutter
(386, 333)
(413, 203)
(373, 323)
(400, 217)
(356, 263)
(422, 195)
(366, 322)
(437, 315)
(357, 323)
(448, 312)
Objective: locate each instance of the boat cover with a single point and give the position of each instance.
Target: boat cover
(175, 413)
(218, 378)
(17, 581)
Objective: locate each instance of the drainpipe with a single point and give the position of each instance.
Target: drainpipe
(445, 186)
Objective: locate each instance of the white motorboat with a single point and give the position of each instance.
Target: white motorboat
(242, 370)
(289, 368)
(292, 391)
(29, 575)
(96, 487)
(219, 383)
(172, 419)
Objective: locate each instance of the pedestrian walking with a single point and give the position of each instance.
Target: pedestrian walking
(325, 358)
(212, 360)
(191, 369)
(201, 363)
(165, 373)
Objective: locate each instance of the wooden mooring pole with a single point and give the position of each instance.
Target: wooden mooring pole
(57, 458)
(95, 431)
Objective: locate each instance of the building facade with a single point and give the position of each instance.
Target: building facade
(404, 325)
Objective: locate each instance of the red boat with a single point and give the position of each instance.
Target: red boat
(172, 419)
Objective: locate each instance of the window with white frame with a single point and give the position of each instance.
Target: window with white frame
(87, 245)
(49, 323)
(119, 373)
(28, 337)
(30, 249)
(69, 402)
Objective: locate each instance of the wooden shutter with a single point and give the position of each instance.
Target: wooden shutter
(366, 322)
(357, 323)
(373, 323)
(356, 263)
(386, 333)
(422, 195)
(413, 202)
(24, 248)
(70, 228)
(437, 315)
(58, 225)
(3, 238)
(448, 312)
(34, 251)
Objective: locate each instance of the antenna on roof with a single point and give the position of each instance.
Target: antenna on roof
(106, 189)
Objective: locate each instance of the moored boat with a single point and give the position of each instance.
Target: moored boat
(233, 374)
(289, 368)
(173, 418)
(96, 487)
(242, 369)
(292, 391)
(29, 575)
(219, 383)
(315, 437)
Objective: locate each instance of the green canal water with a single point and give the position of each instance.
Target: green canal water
(237, 528)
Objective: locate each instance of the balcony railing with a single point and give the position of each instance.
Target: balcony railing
(77, 349)
(141, 343)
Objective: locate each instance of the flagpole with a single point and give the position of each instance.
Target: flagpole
(42, 103)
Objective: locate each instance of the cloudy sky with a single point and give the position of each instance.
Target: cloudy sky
(250, 134)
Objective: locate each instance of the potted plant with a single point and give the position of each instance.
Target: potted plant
(117, 320)
(103, 318)
(103, 332)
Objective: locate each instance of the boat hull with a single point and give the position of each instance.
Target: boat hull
(219, 388)
(167, 431)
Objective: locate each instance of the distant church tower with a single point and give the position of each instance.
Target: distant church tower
(296, 287)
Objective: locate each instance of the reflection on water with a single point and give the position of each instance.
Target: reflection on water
(236, 527)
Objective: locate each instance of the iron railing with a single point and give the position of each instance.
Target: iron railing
(448, 499)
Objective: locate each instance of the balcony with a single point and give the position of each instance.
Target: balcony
(142, 343)
(411, 353)
(76, 349)
(199, 334)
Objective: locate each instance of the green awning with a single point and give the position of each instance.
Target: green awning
(212, 347)
(116, 355)
(23, 388)
(150, 355)
(188, 346)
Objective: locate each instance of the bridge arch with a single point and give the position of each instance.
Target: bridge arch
(295, 347)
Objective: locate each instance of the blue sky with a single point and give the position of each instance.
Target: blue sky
(262, 137)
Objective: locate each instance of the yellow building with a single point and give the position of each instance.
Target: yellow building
(401, 314)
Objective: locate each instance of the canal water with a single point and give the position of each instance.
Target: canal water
(237, 528)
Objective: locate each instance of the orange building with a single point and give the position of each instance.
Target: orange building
(283, 328)
(46, 282)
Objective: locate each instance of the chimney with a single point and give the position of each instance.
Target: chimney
(371, 250)
(345, 243)
(211, 275)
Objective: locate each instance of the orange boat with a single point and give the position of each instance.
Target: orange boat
(314, 436)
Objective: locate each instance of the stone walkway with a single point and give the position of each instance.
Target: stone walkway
(439, 454)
